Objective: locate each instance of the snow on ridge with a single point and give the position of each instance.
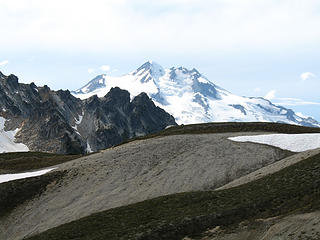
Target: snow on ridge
(203, 80)
(291, 142)
(16, 176)
(89, 150)
(79, 120)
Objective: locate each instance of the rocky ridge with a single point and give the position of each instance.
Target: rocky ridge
(56, 121)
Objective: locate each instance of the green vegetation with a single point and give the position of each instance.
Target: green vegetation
(16, 192)
(224, 127)
(23, 161)
(295, 189)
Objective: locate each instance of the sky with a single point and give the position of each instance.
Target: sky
(267, 48)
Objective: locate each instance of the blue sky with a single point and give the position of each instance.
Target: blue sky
(268, 48)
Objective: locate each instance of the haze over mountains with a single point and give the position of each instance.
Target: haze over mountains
(192, 98)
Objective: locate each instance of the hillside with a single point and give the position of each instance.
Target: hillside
(243, 212)
(24, 161)
(184, 159)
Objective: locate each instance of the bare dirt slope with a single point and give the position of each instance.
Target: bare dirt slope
(137, 171)
(272, 168)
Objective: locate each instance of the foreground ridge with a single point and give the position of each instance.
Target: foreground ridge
(293, 190)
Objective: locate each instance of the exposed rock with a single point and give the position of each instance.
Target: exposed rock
(56, 121)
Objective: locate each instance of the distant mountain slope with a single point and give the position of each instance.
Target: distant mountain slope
(191, 98)
(39, 119)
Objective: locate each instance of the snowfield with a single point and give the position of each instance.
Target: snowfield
(16, 176)
(291, 142)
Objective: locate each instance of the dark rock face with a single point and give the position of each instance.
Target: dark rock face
(115, 118)
(56, 121)
(239, 107)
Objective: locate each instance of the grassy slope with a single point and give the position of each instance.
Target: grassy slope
(292, 190)
(224, 127)
(24, 161)
(221, 127)
(16, 192)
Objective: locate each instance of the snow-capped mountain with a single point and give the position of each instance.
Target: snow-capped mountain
(191, 98)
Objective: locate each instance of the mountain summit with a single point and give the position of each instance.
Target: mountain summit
(191, 98)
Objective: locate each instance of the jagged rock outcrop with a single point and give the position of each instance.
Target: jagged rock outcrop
(56, 121)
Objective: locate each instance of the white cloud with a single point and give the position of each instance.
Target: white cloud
(270, 95)
(105, 68)
(307, 75)
(168, 26)
(4, 62)
(91, 70)
(294, 102)
(257, 89)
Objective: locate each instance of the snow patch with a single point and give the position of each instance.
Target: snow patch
(291, 142)
(7, 140)
(203, 80)
(79, 120)
(89, 150)
(299, 114)
(11, 177)
(75, 127)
